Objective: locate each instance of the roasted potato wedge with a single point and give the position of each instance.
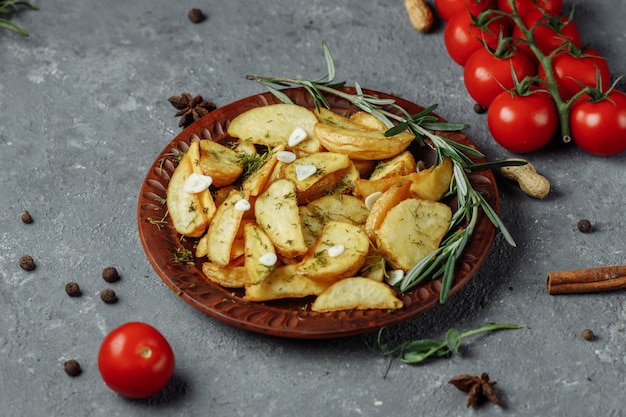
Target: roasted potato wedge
(224, 227)
(257, 247)
(284, 282)
(220, 163)
(357, 293)
(339, 207)
(258, 180)
(402, 164)
(361, 144)
(325, 169)
(272, 126)
(277, 213)
(367, 121)
(339, 252)
(390, 198)
(433, 183)
(186, 209)
(411, 230)
(229, 276)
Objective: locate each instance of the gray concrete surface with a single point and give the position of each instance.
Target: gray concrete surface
(84, 112)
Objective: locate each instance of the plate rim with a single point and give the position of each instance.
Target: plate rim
(223, 305)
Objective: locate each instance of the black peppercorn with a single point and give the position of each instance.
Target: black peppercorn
(109, 274)
(196, 16)
(584, 226)
(479, 109)
(27, 218)
(72, 289)
(72, 367)
(588, 334)
(108, 296)
(27, 263)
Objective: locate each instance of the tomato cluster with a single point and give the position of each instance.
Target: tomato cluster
(523, 61)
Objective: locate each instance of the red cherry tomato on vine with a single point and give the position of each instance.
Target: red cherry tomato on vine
(581, 67)
(523, 124)
(462, 37)
(550, 33)
(524, 7)
(447, 8)
(600, 127)
(485, 75)
(135, 360)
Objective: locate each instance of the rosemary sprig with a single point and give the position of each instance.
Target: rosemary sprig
(422, 125)
(8, 6)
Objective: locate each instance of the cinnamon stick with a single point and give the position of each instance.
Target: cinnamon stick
(608, 278)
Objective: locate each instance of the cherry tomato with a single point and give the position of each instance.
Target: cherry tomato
(524, 7)
(600, 127)
(462, 36)
(486, 75)
(135, 360)
(523, 124)
(550, 33)
(579, 66)
(447, 8)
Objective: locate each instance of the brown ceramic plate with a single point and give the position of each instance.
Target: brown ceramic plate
(286, 318)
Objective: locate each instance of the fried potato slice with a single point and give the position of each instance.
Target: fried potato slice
(367, 121)
(224, 227)
(257, 246)
(433, 183)
(329, 117)
(257, 181)
(277, 214)
(326, 169)
(402, 164)
(388, 199)
(229, 276)
(339, 252)
(221, 163)
(364, 187)
(312, 224)
(411, 230)
(356, 293)
(361, 144)
(186, 209)
(284, 282)
(272, 125)
(339, 207)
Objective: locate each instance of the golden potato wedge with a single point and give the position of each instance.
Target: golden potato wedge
(339, 252)
(364, 187)
(277, 214)
(284, 282)
(312, 224)
(367, 121)
(388, 199)
(257, 181)
(229, 276)
(361, 144)
(224, 227)
(411, 230)
(339, 207)
(329, 117)
(325, 170)
(186, 209)
(402, 164)
(257, 247)
(220, 163)
(272, 125)
(433, 183)
(356, 293)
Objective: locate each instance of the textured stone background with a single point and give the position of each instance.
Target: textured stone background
(83, 114)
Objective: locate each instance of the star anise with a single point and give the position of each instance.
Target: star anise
(190, 108)
(477, 388)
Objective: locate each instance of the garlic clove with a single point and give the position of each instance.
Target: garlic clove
(242, 205)
(395, 276)
(371, 199)
(304, 171)
(286, 156)
(196, 183)
(297, 136)
(335, 251)
(268, 259)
